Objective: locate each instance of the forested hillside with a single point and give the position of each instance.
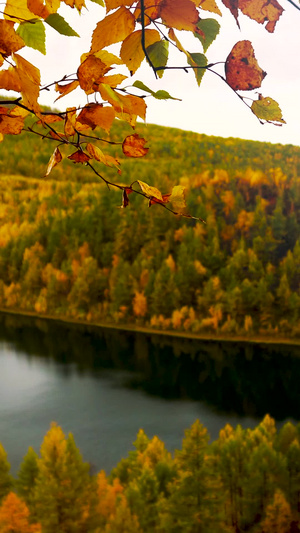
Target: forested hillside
(67, 249)
(245, 481)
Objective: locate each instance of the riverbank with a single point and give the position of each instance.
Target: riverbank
(150, 331)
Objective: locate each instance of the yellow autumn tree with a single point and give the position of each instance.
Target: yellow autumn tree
(15, 516)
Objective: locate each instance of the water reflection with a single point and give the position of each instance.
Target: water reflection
(242, 379)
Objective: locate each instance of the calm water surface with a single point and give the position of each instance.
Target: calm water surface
(103, 385)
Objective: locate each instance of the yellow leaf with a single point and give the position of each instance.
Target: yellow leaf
(179, 14)
(29, 77)
(98, 155)
(132, 52)
(54, 160)
(12, 125)
(177, 197)
(96, 115)
(70, 121)
(9, 80)
(113, 4)
(208, 5)
(90, 73)
(113, 80)
(134, 146)
(150, 191)
(132, 105)
(106, 57)
(113, 29)
(66, 89)
(10, 41)
(17, 8)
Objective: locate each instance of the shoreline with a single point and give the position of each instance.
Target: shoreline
(132, 328)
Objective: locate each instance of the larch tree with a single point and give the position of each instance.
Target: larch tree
(140, 30)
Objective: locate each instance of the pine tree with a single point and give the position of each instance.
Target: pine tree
(14, 516)
(5, 478)
(63, 493)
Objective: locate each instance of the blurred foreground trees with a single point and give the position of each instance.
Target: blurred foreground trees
(248, 480)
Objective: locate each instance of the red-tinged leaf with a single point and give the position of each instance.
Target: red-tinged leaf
(79, 157)
(262, 11)
(233, 6)
(125, 199)
(151, 192)
(54, 160)
(66, 89)
(134, 146)
(241, 68)
(9, 41)
(165, 199)
(97, 115)
(179, 14)
(113, 29)
(151, 11)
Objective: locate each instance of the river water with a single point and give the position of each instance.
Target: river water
(103, 385)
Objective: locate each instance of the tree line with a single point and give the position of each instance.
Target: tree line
(246, 480)
(68, 249)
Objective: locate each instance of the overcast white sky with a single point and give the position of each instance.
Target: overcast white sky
(213, 108)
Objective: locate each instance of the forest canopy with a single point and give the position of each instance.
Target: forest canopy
(127, 33)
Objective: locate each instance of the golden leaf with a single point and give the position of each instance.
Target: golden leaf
(70, 121)
(113, 4)
(177, 197)
(17, 8)
(179, 14)
(10, 41)
(241, 68)
(90, 73)
(29, 77)
(134, 146)
(262, 11)
(106, 57)
(129, 104)
(79, 4)
(132, 52)
(50, 119)
(208, 5)
(113, 29)
(12, 125)
(79, 157)
(9, 80)
(150, 191)
(97, 115)
(66, 89)
(98, 155)
(54, 160)
(113, 80)
(41, 9)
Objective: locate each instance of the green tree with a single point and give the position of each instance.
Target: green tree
(6, 481)
(63, 491)
(27, 476)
